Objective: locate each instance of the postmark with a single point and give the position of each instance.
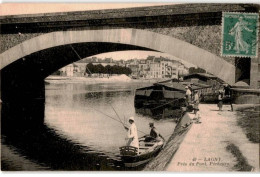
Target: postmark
(239, 34)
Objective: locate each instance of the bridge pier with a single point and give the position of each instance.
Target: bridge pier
(23, 97)
(246, 92)
(19, 87)
(255, 73)
(242, 70)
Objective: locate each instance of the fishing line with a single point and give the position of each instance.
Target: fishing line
(115, 119)
(117, 114)
(79, 57)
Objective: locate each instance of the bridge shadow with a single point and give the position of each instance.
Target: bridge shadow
(35, 141)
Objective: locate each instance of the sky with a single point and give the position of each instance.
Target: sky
(34, 8)
(139, 54)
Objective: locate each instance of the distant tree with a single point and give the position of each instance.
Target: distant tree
(100, 69)
(128, 71)
(193, 70)
(150, 57)
(108, 69)
(57, 73)
(90, 68)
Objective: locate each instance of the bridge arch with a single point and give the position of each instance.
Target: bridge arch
(133, 37)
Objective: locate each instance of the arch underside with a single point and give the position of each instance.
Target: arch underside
(25, 77)
(45, 62)
(137, 39)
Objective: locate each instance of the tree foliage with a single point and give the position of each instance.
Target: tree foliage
(193, 70)
(100, 69)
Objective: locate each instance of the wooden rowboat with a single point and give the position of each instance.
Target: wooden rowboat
(147, 150)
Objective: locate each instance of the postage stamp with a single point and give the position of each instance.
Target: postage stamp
(239, 34)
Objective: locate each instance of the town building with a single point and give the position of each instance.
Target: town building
(74, 70)
(151, 67)
(160, 67)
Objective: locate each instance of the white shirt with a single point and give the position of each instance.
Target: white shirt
(188, 95)
(133, 136)
(196, 98)
(188, 92)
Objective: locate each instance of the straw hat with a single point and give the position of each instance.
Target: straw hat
(132, 118)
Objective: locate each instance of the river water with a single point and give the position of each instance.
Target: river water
(77, 131)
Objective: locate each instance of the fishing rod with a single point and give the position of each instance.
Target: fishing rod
(111, 105)
(79, 57)
(117, 115)
(119, 119)
(115, 119)
(108, 116)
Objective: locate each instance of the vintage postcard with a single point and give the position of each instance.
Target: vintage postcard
(240, 34)
(130, 87)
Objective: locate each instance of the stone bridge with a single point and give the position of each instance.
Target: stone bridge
(34, 46)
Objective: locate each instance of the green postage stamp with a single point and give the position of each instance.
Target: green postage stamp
(239, 34)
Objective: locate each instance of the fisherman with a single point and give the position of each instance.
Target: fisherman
(132, 134)
(154, 133)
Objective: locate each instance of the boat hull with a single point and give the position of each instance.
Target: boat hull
(142, 158)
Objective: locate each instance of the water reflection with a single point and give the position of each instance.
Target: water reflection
(42, 145)
(160, 113)
(67, 133)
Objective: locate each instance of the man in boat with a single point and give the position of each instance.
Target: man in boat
(132, 135)
(154, 133)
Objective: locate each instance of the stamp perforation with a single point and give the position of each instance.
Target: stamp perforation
(222, 36)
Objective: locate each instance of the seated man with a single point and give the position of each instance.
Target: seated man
(154, 134)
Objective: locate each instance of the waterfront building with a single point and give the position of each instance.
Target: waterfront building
(104, 63)
(143, 68)
(74, 70)
(160, 67)
(135, 70)
(151, 67)
(67, 70)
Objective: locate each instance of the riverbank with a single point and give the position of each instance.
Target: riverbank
(218, 144)
(160, 162)
(112, 79)
(249, 121)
